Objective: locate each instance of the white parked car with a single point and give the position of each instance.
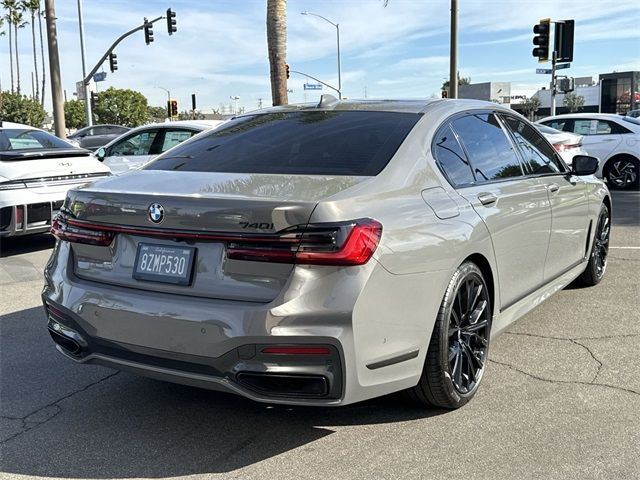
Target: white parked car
(36, 170)
(614, 139)
(568, 145)
(139, 145)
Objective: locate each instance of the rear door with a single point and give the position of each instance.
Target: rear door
(133, 151)
(567, 197)
(599, 137)
(514, 207)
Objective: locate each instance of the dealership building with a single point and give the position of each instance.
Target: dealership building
(616, 92)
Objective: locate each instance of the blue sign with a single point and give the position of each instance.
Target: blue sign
(313, 86)
(545, 71)
(100, 76)
(562, 66)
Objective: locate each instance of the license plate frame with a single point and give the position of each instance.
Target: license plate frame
(188, 253)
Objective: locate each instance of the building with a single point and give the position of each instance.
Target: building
(616, 92)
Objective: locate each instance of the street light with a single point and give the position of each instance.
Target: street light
(168, 100)
(338, 42)
(235, 98)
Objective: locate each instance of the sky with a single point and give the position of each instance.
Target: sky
(397, 51)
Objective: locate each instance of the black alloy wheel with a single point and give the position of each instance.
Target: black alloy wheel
(457, 353)
(597, 264)
(468, 334)
(623, 173)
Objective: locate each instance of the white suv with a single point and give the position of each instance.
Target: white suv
(614, 139)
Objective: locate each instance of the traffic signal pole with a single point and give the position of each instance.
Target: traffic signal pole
(554, 59)
(85, 86)
(88, 78)
(453, 52)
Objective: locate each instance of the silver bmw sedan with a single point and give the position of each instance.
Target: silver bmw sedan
(325, 254)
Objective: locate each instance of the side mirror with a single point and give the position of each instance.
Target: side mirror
(101, 153)
(584, 165)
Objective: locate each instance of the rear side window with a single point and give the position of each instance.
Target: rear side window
(20, 139)
(451, 159)
(538, 155)
(297, 143)
(490, 153)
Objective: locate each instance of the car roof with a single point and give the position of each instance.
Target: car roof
(330, 103)
(603, 116)
(5, 124)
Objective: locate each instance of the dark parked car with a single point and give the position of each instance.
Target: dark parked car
(96, 136)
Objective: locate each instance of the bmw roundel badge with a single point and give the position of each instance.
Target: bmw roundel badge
(156, 213)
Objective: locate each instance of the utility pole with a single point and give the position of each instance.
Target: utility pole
(85, 86)
(453, 52)
(54, 69)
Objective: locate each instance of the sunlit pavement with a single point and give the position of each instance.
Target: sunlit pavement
(560, 400)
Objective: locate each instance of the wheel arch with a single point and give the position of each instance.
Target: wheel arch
(617, 156)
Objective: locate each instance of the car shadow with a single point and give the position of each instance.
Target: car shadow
(25, 244)
(626, 208)
(94, 424)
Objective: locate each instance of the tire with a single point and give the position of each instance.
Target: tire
(599, 251)
(455, 353)
(623, 173)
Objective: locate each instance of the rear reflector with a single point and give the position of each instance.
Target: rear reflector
(297, 350)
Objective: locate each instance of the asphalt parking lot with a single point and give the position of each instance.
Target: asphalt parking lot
(560, 400)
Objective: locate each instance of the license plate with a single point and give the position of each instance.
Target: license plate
(161, 263)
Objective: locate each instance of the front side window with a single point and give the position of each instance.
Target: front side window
(137, 144)
(490, 152)
(538, 155)
(296, 143)
(451, 159)
(584, 127)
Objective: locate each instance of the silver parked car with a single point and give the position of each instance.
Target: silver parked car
(96, 136)
(326, 254)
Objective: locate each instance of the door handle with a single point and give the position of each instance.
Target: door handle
(553, 187)
(487, 198)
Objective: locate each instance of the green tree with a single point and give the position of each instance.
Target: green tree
(530, 106)
(21, 109)
(121, 106)
(461, 81)
(157, 114)
(74, 116)
(573, 102)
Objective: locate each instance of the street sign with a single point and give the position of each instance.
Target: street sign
(313, 86)
(544, 71)
(561, 66)
(100, 77)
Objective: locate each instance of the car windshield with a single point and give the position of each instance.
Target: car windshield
(297, 143)
(12, 139)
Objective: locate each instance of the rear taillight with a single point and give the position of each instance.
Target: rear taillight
(348, 243)
(71, 231)
(19, 216)
(563, 147)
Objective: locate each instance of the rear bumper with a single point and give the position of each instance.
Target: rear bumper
(244, 370)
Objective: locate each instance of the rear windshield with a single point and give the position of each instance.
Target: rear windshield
(296, 143)
(12, 139)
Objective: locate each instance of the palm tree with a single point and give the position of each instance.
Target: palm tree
(44, 72)
(17, 20)
(1, 34)
(9, 5)
(277, 46)
(34, 7)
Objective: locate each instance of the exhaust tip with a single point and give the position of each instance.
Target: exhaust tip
(285, 385)
(69, 344)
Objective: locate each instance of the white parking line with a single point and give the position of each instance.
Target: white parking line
(627, 248)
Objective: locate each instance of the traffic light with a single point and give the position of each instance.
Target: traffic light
(148, 32)
(171, 22)
(113, 62)
(445, 94)
(563, 40)
(173, 104)
(94, 100)
(541, 40)
(287, 67)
